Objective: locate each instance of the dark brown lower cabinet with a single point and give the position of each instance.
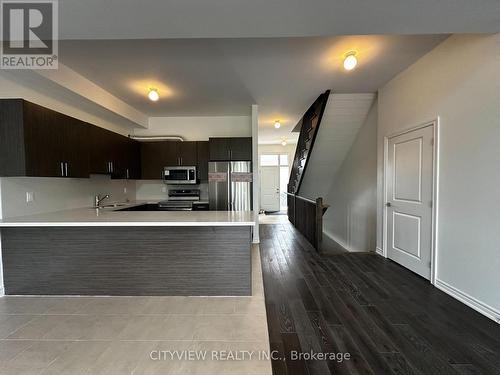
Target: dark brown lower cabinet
(150, 261)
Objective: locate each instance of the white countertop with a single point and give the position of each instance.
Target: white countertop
(109, 217)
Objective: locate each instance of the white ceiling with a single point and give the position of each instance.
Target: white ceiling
(158, 19)
(217, 77)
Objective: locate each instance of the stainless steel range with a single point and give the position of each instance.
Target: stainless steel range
(180, 200)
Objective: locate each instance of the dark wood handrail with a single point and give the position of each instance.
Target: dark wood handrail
(309, 126)
(299, 197)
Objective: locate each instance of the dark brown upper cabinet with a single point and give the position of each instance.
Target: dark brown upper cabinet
(219, 149)
(113, 154)
(75, 133)
(154, 156)
(241, 148)
(203, 157)
(180, 154)
(38, 142)
(160, 154)
(104, 150)
(187, 153)
(231, 149)
(132, 159)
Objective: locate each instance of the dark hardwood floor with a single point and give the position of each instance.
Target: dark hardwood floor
(390, 320)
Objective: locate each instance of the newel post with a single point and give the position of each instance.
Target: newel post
(319, 224)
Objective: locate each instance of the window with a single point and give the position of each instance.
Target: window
(269, 160)
(284, 160)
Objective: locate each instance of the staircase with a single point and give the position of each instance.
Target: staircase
(306, 214)
(309, 126)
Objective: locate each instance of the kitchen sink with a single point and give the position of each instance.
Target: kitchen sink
(144, 207)
(112, 205)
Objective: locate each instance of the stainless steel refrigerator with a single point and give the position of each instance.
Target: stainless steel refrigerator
(230, 185)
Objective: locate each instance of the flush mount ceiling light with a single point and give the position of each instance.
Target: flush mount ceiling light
(153, 95)
(277, 124)
(350, 61)
(283, 142)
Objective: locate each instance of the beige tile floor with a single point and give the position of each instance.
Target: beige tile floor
(272, 219)
(119, 335)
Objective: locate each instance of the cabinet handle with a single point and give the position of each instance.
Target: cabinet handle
(66, 169)
(128, 175)
(61, 164)
(111, 163)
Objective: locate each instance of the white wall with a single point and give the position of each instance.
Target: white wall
(199, 128)
(344, 115)
(351, 219)
(255, 168)
(55, 194)
(459, 82)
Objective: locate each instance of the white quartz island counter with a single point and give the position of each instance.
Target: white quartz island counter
(140, 253)
(106, 217)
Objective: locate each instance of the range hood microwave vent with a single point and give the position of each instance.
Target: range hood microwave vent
(156, 138)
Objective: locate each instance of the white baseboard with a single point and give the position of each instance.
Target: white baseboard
(470, 301)
(379, 251)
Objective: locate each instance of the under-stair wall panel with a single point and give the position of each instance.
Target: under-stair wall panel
(344, 115)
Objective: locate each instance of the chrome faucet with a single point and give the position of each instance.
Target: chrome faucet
(98, 199)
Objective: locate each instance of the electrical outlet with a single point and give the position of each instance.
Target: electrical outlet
(124, 190)
(163, 189)
(30, 196)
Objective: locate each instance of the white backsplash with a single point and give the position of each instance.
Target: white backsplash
(55, 194)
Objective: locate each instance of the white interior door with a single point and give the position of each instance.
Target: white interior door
(409, 181)
(270, 188)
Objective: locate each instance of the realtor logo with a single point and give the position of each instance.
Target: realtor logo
(29, 38)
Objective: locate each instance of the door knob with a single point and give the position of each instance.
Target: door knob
(388, 204)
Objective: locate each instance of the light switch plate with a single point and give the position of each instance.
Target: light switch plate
(30, 196)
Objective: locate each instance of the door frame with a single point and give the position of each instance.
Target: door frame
(435, 123)
(290, 163)
(279, 182)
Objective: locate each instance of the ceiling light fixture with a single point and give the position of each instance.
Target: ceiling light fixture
(153, 95)
(277, 124)
(350, 61)
(283, 142)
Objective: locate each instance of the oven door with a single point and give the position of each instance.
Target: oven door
(179, 175)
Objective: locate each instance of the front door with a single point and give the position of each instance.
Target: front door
(270, 188)
(409, 181)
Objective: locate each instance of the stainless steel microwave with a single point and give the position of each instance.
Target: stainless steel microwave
(179, 175)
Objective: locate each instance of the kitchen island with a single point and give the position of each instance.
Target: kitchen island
(128, 253)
